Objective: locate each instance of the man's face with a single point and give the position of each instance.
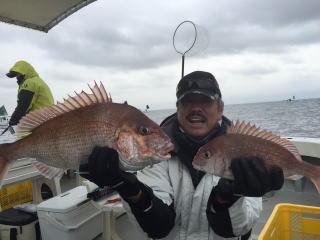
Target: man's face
(198, 114)
(18, 75)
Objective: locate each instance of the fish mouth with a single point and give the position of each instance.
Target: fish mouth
(130, 165)
(198, 166)
(165, 151)
(137, 163)
(198, 163)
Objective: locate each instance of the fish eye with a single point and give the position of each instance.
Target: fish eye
(144, 130)
(207, 154)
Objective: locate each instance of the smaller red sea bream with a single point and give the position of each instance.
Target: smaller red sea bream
(246, 140)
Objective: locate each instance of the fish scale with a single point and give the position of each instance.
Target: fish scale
(272, 153)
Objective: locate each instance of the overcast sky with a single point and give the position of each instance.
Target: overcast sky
(258, 50)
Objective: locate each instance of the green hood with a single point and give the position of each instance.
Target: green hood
(32, 82)
(24, 68)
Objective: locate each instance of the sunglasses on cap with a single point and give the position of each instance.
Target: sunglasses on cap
(205, 86)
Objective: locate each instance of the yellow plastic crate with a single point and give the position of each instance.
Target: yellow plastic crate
(290, 221)
(16, 194)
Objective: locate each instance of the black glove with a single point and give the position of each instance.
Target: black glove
(251, 178)
(103, 169)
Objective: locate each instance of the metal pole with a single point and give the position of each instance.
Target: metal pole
(182, 72)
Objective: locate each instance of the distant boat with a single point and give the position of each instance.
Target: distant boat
(147, 108)
(291, 99)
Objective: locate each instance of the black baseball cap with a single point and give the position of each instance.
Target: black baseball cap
(11, 74)
(198, 82)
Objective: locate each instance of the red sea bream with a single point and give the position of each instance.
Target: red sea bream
(245, 140)
(63, 135)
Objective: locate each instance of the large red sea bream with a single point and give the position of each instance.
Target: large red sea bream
(63, 135)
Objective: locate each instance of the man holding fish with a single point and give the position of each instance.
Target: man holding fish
(175, 200)
(207, 175)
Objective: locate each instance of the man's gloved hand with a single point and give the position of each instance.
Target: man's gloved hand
(251, 178)
(103, 169)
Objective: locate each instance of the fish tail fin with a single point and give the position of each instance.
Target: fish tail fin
(4, 162)
(315, 178)
(317, 183)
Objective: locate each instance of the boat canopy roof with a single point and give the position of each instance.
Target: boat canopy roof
(40, 15)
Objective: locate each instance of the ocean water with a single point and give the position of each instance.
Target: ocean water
(299, 118)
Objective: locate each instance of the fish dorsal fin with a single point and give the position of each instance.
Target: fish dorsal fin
(251, 130)
(83, 99)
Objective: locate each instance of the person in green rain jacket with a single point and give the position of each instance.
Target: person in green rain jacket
(33, 92)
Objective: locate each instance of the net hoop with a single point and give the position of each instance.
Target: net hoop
(194, 40)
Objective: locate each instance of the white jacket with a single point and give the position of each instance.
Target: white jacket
(170, 181)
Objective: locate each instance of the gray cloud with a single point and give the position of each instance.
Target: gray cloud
(143, 39)
(255, 69)
(279, 13)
